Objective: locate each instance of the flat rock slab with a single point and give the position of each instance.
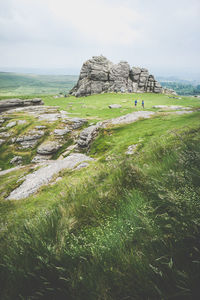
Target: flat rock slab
(129, 118)
(182, 112)
(11, 103)
(114, 106)
(34, 109)
(62, 131)
(49, 117)
(45, 174)
(174, 107)
(4, 172)
(11, 124)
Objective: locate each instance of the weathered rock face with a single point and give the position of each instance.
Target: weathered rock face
(14, 103)
(100, 75)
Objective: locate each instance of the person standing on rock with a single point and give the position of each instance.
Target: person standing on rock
(135, 103)
(143, 103)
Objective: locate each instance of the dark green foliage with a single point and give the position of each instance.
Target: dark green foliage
(182, 88)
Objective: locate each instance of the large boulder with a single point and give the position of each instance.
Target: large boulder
(48, 148)
(99, 75)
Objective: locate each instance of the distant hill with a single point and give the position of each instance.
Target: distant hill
(26, 84)
(181, 86)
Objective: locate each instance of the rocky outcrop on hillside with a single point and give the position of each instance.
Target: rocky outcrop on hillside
(99, 75)
(14, 103)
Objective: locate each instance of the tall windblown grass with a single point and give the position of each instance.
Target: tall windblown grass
(129, 231)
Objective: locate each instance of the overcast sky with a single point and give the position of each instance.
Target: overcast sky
(161, 35)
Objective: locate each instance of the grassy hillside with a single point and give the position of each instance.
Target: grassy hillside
(126, 227)
(26, 84)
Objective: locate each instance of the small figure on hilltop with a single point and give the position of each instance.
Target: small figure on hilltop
(135, 103)
(143, 103)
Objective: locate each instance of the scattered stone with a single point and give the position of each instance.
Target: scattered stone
(11, 124)
(17, 160)
(41, 158)
(13, 103)
(2, 121)
(114, 106)
(77, 122)
(45, 174)
(49, 147)
(131, 149)
(49, 117)
(99, 75)
(5, 134)
(61, 132)
(31, 139)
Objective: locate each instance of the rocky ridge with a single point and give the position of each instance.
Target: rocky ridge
(14, 103)
(99, 75)
(59, 137)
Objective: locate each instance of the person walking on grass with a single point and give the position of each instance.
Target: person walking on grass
(135, 103)
(143, 103)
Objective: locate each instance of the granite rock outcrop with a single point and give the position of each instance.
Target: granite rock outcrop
(99, 75)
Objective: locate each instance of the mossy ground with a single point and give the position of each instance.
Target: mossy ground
(126, 227)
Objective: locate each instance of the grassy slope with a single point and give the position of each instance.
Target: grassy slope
(96, 106)
(26, 84)
(124, 227)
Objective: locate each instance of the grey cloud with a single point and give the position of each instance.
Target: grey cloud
(168, 36)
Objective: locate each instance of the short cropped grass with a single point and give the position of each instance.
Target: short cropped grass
(95, 107)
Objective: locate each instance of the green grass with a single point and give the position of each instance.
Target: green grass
(126, 227)
(95, 107)
(125, 231)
